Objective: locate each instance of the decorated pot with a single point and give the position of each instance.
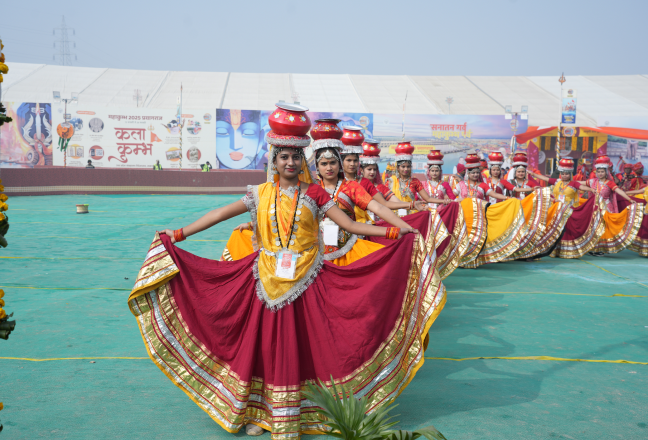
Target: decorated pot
(370, 147)
(326, 129)
(290, 120)
(352, 136)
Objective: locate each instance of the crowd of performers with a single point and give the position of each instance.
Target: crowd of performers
(339, 275)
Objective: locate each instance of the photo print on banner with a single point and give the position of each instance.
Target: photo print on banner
(27, 141)
(137, 138)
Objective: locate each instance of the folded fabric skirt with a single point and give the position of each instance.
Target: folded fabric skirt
(208, 332)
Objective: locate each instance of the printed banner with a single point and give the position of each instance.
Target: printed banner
(26, 142)
(135, 137)
(453, 135)
(240, 139)
(240, 136)
(569, 106)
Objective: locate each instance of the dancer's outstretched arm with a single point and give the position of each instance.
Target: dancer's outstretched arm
(344, 222)
(211, 218)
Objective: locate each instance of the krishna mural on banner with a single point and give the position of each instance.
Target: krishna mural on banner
(27, 141)
(240, 139)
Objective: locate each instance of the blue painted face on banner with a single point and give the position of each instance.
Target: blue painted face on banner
(239, 147)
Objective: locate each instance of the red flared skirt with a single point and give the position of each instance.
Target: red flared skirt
(363, 324)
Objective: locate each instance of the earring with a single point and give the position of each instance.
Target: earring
(301, 171)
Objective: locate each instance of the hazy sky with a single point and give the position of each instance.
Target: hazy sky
(452, 37)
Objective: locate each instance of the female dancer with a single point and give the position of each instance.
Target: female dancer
(620, 227)
(450, 250)
(535, 205)
(402, 184)
(521, 182)
(495, 181)
(243, 338)
(352, 141)
(582, 225)
(346, 247)
(640, 243)
(500, 228)
(369, 167)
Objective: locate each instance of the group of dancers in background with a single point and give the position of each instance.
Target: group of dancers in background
(478, 216)
(339, 275)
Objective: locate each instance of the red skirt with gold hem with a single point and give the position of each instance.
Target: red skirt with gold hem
(640, 242)
(582, 231)
(364, 324)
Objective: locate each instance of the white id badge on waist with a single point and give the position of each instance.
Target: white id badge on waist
(286, 264)
(331, 234)
(372, 216)
(561, 198)
(402, 212)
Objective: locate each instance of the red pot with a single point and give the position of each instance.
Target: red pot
(370, 148)
(326, 129)
(404, 147)
(352, 136)
(290, 120)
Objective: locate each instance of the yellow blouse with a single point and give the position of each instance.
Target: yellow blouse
(402, 194)
(304, 240)
(571, 195)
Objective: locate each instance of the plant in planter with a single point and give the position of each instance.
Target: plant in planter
(347, 417)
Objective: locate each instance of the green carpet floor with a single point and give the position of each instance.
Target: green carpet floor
(67, 277)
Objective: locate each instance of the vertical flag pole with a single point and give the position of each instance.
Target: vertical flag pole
(181, 124)
(561, 80)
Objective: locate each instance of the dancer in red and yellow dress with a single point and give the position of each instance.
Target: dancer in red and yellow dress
(621, 228)
(369, 167)
(353, 147)
(450, 250)
(350, 196)
(407, 189)
(402, 184)
(390, 169)
(535, 201)
(582, 225)
(242, 339)
(498, 229)
(640, 243)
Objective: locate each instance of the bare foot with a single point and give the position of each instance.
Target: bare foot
(254, 430)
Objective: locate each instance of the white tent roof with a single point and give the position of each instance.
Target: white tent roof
(386, 94)
(467, 98)
(255, 91)
(39, 84)
(328, 93)
(602, 100)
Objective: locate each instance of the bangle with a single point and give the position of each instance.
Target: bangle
(178, 235)
(392, 233)
(411, 205)
(250, 226)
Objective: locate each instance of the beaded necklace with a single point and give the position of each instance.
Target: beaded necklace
(405, 188)
(472, 190)
(274, 214)
(334, 192)
(562, 185)
(600, 185)
(434, 188)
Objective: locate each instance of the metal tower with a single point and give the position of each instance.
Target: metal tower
(64, 56)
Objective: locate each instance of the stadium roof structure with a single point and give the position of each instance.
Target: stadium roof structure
(620, 101)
